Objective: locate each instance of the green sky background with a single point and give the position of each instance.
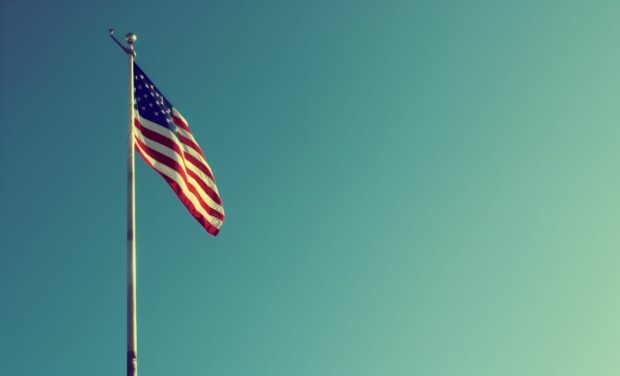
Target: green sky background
(411, 188)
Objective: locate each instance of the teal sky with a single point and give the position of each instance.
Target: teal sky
(411, 188)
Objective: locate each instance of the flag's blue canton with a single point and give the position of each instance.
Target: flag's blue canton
(150, 102)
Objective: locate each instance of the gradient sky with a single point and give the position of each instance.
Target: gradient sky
(411, 188)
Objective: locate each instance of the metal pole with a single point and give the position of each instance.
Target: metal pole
(132, 337)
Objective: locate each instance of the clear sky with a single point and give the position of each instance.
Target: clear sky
(411, 188)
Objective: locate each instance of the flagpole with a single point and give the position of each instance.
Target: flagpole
(132, 337)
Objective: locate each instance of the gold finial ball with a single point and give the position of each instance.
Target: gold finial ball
(131, 38)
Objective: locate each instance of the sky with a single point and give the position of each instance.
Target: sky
(411, 188)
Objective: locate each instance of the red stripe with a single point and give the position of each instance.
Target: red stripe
(198, 163)
(171, 163)
(185, 140)
(191, 144)
(210, 192)
(158, 137)
(169, 143)
(188, 204)
(178, 121)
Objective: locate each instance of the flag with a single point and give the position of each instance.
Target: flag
(165, 142)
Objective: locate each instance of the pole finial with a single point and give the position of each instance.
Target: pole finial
(130, 38)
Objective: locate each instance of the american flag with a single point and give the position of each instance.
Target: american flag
(165, 142)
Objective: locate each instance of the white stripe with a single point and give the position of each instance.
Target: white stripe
(192, 167)
(190, 136)
(178, 114)
(169, 134)
(163, 131)
(176, 157)
(186, 134)
(172, 174)
(197, 155)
